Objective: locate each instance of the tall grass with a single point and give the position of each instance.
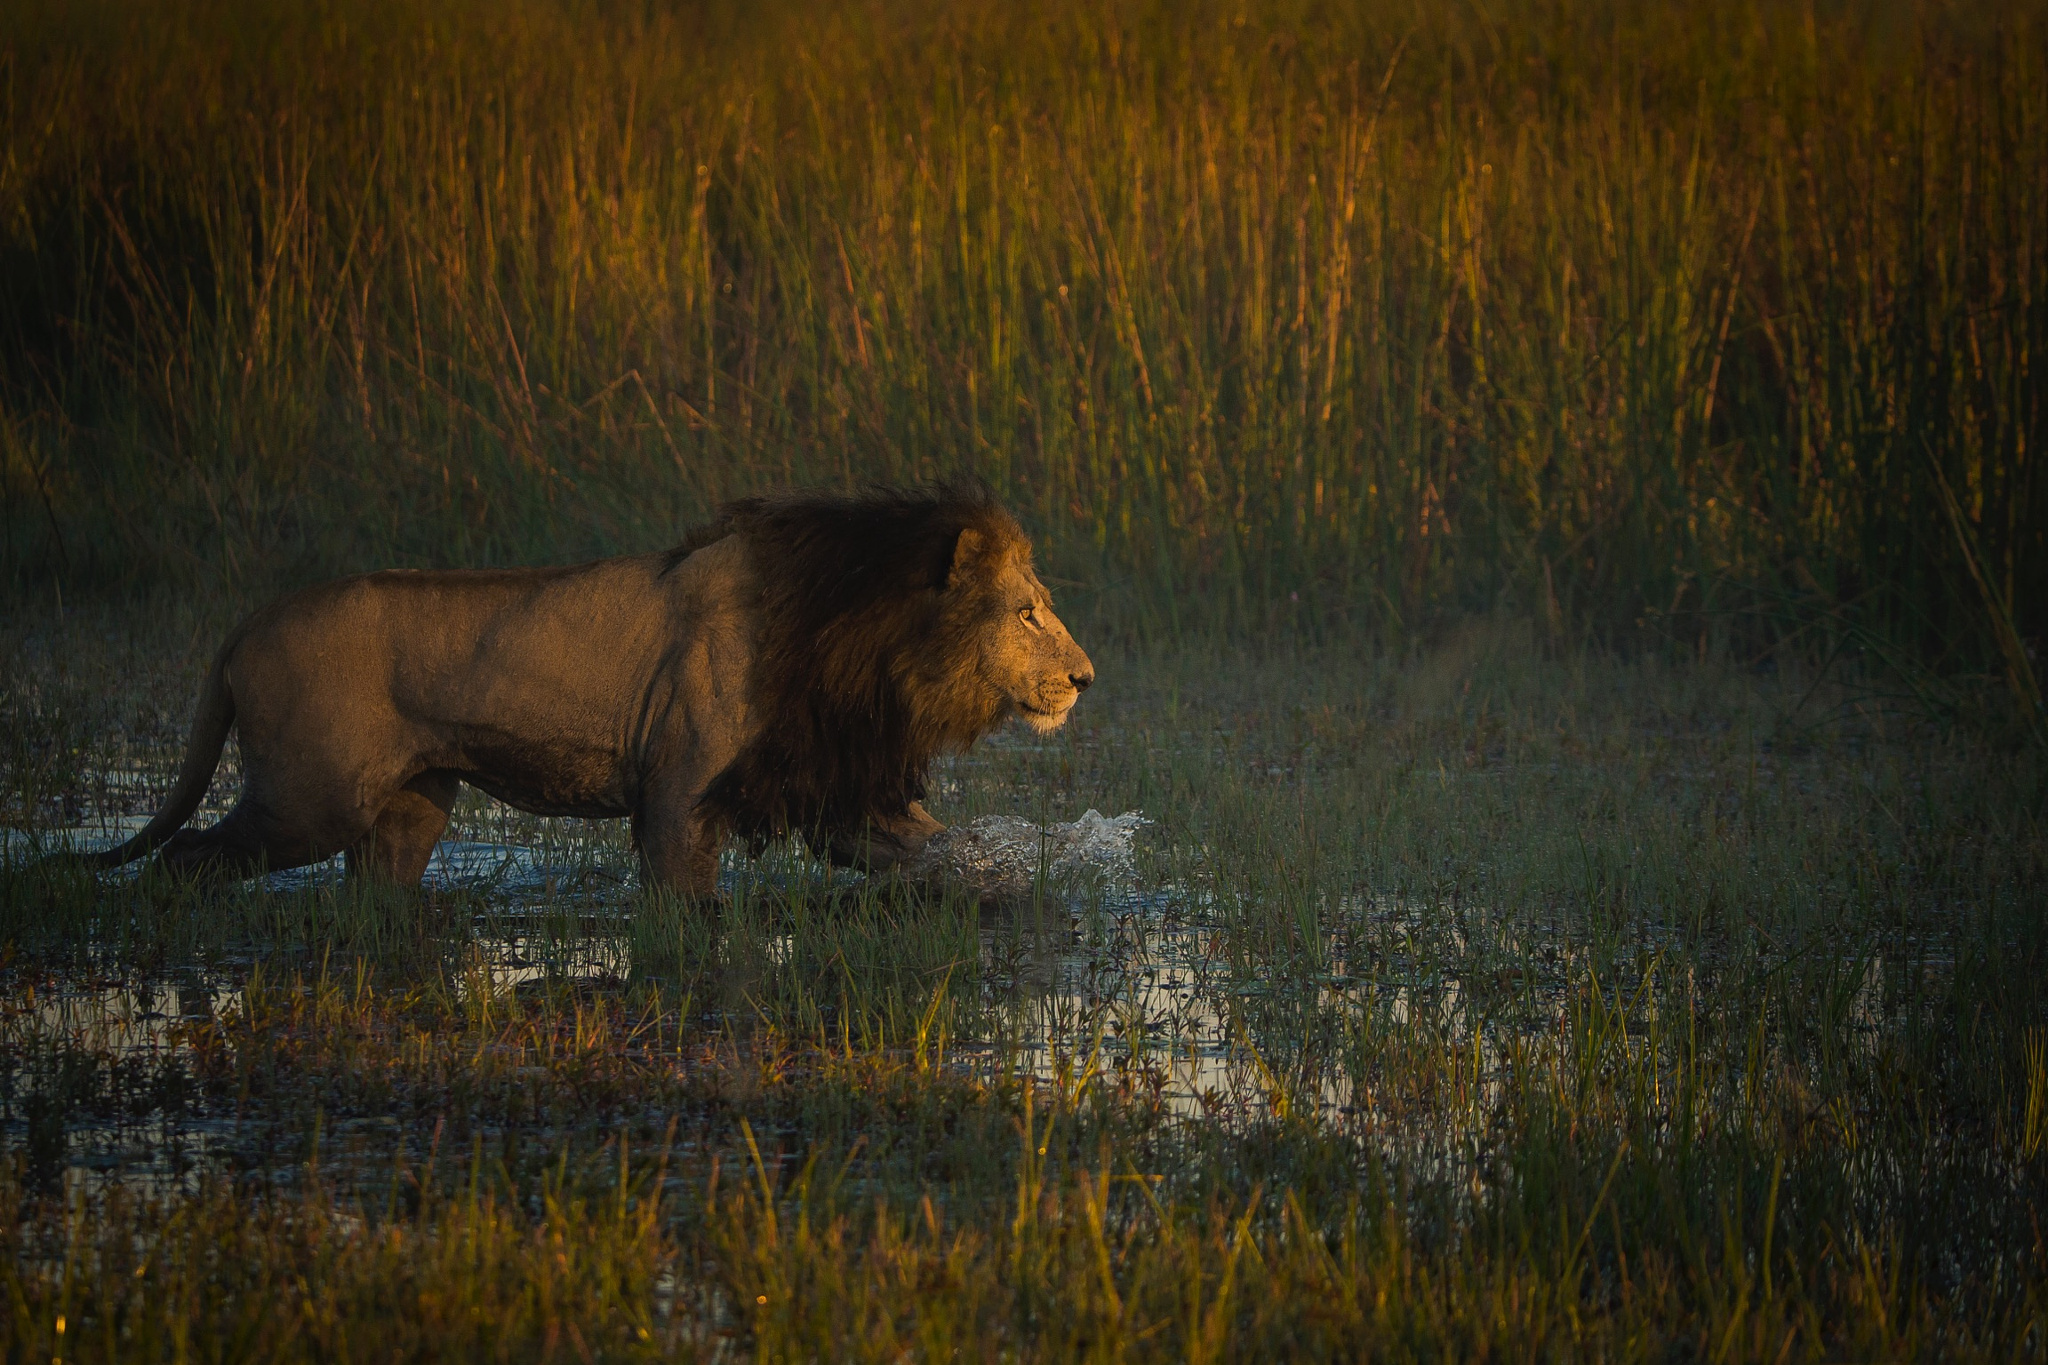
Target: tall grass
(1622, 315)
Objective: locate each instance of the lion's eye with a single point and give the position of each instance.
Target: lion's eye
(1028, 615)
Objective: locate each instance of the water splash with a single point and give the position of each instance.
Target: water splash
(998, 857)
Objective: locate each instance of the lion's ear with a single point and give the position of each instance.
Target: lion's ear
(966, 551)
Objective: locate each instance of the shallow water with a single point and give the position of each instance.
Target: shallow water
(518, 872)
(1064, 877)
(1087, 967)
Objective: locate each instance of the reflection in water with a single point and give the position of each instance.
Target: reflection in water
(1210, 1007)
(1086, 972)
(96, 1074)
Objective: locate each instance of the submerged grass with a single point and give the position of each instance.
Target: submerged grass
(1714, 320)
(1480, 1000)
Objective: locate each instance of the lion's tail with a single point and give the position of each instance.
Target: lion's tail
(202, 756)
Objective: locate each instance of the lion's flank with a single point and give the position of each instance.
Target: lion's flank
(867, 666)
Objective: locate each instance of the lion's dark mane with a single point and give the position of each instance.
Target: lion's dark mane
(857, 683)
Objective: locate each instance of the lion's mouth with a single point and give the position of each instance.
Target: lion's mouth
(1046, 718)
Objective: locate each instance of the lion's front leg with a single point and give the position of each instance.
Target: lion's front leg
(885, 841)
(679, 844)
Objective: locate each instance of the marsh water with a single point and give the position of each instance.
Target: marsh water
(1102, 967)
(1231, 972)
(1307, 945)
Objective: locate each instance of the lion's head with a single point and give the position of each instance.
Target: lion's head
(1025, 663)
(896, 624)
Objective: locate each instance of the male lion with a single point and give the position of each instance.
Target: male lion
(792, 667)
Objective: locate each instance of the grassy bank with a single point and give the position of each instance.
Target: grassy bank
(1473, 1001)
(1714, 321)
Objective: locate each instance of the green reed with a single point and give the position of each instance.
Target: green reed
(1716, 320)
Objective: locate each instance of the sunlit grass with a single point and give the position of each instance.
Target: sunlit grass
(1677, 318)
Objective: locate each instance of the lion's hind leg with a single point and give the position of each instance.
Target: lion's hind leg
(401, 841)
(247, 842)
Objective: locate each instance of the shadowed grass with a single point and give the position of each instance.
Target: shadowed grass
(1485, 1001)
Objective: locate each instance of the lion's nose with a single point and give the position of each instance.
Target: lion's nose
(1082, 679)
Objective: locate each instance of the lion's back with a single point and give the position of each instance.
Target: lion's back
(572, 651)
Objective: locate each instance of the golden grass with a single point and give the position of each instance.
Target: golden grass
(1627, 315)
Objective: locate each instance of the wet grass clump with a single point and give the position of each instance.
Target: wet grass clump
(1491, 998)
